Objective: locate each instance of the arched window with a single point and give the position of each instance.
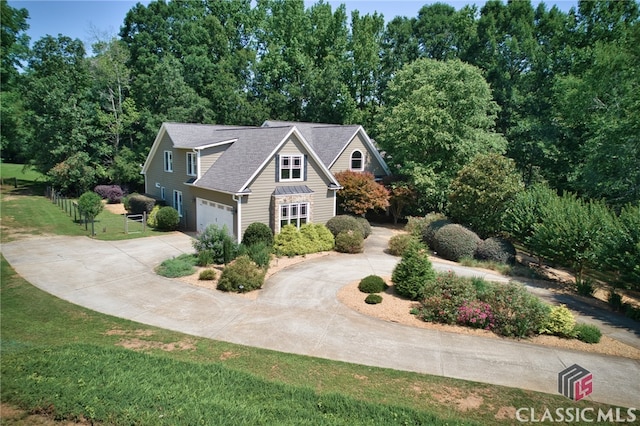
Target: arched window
(356, 161)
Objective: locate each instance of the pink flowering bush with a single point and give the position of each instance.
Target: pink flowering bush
(476, 314)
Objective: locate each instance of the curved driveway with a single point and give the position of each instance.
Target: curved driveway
(297, 312)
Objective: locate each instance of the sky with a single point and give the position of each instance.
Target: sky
(86, 19)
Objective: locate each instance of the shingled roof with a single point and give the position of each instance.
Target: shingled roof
(327, 140)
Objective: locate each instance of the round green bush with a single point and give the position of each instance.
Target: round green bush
(399, 243)
(414, 272)
(429, 231)
(257, 232)
(207, 275)
(453, 242)
(167, 219)
(496, 249)
(560, 322)
(241, 276)
(350, 242)
(587, 333)
(341, 223)
(365, 227)
(151, 217)
(372, 284)
(373, 299)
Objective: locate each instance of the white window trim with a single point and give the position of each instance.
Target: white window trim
(163, 194)
(294, 219)
(177, 201)
(168, 161)
(192, 164)
(291, 158)
(361, 161)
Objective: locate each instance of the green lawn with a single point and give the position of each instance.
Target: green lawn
(25, 211)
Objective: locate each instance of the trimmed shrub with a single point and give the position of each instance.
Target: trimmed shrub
(476, 314)
(587, 333)
(257, 232)
(260, 253)
(350, 242)
(416, 225)
(365, 226)
(167, 219)
(214, 245)
(517, 312)
(341, 223)
(310, 238)
(496, 249)
(207, 275)
(241, 276)
(399, 243)
(453, 242)
(180, 266)
(373, 299)
(430, 231)
(138, 204)
(560, 322)
(112, 193)
(444, 296)
(372, 284)
(151, 218)
(317, 236)
(413, 273)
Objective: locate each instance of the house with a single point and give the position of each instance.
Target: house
(278, 173)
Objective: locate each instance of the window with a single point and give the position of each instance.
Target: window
(177, 201)
(162, 193)
(192, 164)
(295, 214)
(168, 161)
(356, 160)
(291, 167)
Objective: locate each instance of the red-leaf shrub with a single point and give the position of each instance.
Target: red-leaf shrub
(113, 193)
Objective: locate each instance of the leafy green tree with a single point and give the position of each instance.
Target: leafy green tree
(481, 192)
(74, 175)
(117, 111)
(14, 45)
(90, 205)
(572, 232)
(366, 66)
(438, 116)
(525, 212)
(443, 32)
(621, 252)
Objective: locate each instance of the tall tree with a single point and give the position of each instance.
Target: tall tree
(283, 66)
(327, 94)
(58, 102)
(438, 116)
(14, 46)
(443, 32)
(366, 68)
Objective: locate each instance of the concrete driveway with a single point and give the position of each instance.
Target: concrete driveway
(297, 312)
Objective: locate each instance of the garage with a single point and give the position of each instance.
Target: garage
(212, 213)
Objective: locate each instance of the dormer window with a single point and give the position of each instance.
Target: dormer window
(357, 161)
(291, 167)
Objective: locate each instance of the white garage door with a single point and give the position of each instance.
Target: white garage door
(211, 213)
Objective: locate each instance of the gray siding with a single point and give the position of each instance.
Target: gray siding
(371, 163)
(171, 181)
(258, 204)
